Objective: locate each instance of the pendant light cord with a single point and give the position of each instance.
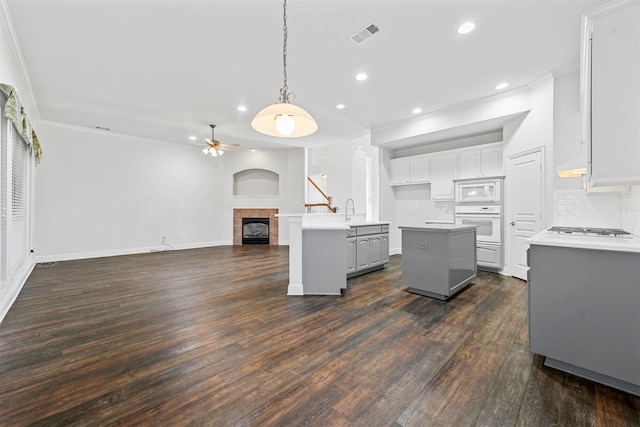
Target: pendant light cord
(284, 95)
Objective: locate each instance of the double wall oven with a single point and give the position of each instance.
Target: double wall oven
(479, 202)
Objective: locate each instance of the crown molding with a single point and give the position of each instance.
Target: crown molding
(24, 84)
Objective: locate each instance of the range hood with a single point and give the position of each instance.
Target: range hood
(567, 170)
(573, 168)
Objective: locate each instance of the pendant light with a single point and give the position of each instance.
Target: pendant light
(284, 119)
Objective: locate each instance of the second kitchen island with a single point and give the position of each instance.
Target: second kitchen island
(438, 260)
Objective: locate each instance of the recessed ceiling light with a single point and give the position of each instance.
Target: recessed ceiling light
(465, 28)
(501, 85)
(416, 110)
(340, 106)
(193, 138)
(361, 76)
(242, 108)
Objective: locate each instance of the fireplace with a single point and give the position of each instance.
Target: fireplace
(255, 231)
(269, 214)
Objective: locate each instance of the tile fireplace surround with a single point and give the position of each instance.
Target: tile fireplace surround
(238, 214)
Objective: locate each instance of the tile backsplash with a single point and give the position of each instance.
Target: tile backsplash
(443, 210)
(611, 210)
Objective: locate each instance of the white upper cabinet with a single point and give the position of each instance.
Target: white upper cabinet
(478, 162)
(410, 170)
(400, 171)
(442, 167)
(419, 166)
(611, 93)
(443, 172)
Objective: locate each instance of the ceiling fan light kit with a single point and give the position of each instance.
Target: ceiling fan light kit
(283, 119)
(214, 147)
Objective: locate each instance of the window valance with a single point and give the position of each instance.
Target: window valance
(14, 111)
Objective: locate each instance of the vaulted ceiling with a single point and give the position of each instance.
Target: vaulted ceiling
(166, 69)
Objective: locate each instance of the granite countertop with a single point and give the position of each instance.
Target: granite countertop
(438, 227)
(604, 243)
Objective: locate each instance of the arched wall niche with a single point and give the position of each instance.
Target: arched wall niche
(256, 182)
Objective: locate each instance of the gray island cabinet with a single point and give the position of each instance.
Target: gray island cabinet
(584, 306)
(438, 260)
(367, 247)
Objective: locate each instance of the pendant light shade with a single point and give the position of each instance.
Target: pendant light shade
(284, 120)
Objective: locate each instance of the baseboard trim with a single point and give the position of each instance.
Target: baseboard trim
(129, 251)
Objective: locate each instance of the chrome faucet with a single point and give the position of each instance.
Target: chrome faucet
(346, 209)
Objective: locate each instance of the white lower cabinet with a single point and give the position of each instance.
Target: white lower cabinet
(489, 256)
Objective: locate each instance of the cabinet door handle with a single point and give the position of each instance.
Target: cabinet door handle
(513, 223)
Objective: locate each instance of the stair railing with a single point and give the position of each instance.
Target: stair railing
(318, 207)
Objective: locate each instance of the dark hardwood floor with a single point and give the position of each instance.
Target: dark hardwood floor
(208, 337)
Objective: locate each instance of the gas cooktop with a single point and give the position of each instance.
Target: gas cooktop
(590, 231)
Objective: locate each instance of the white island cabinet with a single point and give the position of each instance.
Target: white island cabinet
(438, 260)
(584, 306)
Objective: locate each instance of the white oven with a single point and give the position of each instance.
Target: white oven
(487, 218)
(478, 191)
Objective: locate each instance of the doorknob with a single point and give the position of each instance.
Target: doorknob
(513, 223)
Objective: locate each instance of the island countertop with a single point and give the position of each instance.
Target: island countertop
(604, 243)
(438, 227)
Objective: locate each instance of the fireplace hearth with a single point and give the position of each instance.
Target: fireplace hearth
(255, 231)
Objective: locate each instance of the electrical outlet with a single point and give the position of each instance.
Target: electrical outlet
(424, 246)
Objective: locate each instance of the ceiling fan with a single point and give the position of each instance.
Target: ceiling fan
(215, 148)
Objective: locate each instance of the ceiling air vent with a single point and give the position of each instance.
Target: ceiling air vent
(365, 33)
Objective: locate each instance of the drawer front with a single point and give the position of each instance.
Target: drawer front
(385, 228)
(369, 229)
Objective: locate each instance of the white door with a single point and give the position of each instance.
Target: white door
(524, 211)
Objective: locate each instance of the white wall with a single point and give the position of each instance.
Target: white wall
(101, 194)
(351, 171)
(288, 164)
(567, 127)
(533, 131)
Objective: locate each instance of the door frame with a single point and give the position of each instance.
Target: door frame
(509, 259)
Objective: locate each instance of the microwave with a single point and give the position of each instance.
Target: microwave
(478, 191)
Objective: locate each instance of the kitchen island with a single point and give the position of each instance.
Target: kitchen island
(584, 306)
(438, 260)
(324, 250)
